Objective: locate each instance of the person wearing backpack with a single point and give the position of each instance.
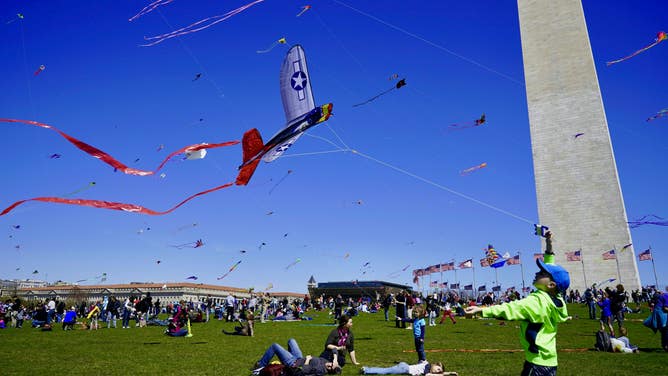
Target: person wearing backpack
(539, 313)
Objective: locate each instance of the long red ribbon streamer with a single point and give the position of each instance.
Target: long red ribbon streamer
(112, 205)
(108, 159)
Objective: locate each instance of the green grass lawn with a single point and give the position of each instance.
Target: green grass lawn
(147, 351)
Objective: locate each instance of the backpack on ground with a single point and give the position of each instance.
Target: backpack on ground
(603, 341)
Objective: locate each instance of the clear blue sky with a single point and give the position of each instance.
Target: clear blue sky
(100, 87)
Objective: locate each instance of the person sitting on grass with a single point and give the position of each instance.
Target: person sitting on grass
(402, 368)
(174, 330)
(247, 327)
(622, 344)
(539, 314)
(293, 358)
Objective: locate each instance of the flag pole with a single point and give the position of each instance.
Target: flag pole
(584, 274)
(656, 281)
(619, 276)
(473, 267)
(522, 269)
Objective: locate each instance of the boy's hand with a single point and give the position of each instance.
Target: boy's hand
(472, 310)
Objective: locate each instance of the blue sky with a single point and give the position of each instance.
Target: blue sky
(460, 59)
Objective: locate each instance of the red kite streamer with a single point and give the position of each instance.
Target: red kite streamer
(111, 205)
(108, 159)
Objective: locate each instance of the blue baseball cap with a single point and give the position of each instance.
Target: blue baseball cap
(558, 273)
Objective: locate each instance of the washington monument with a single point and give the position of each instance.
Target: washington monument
(577, 186)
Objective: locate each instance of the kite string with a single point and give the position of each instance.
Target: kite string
(195, 59)
(25, 67)
(442, 187)
(480, 65)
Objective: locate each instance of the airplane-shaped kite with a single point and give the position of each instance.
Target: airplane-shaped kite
(300, 111)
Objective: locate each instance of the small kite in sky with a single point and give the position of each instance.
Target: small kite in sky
(405, 268)
(39, 70)
(659, 114)
(358, 202)
(198, 154)
(85, 187)
(280, 181)
(16, 227)
(474, 168)
(186, 227)
(261, 245)
(475, 123)
(35, 271)
(55, 156)
(366, 264)
(149, 8)
(271, 47)
(643, 221)
(194, 278)
(197, 76)
(304, 9)
(196, 244)
(401, 83)
(285, 235)
(242, 251)
(158, 262)
(578, 135)
(270, 212)
(197, 26)
(230, 270)
(269, 287)
(346, 256)
(162, 146)
(660, 36)
(393, 77)
(293, 263)
(19, 16)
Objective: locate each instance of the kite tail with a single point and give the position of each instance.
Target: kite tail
(609, 63)
(149, 8)
(111, 205)
(374, 98)
(108, 159)
(252, 147)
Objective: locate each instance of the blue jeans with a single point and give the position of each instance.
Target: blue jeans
(387, 313)
(287, 357)
(419, 348)
(399, 369)
(592, 310)
(126, 318)
(531, 369)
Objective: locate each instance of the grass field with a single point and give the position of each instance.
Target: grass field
(147, 351)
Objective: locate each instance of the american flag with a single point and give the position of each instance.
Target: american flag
(645, 255)
(443, 285)
(417, 273)
(609, 255)
(434, 268)
(448, 266)
(496, 288)
(433, 284)
(537, 256)
(466, 264)
(515, 260)
(484, 263)
(468, 287)
(482, 288)
(454, 286)
(574, 256)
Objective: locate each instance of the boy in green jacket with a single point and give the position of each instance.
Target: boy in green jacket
(539, 313)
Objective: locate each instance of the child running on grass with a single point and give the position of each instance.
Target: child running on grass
(539, 313)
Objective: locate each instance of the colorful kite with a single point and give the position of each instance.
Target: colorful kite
(660, 36)
(149, 8)
(659, 114)
(108, 159)
(398, 85)
(475, 123)
(471, 169)
(194, 278)
(490, 254)
(230, 271)
(280, 181)
(293, 263)
(198, 26)
(300, 113)
(196, 244)
(271, 47)
(39, 70)
(304, 9)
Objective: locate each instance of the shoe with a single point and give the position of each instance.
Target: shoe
(362, 370)
(256, 367)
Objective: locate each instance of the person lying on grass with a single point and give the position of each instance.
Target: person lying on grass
(423, 368)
